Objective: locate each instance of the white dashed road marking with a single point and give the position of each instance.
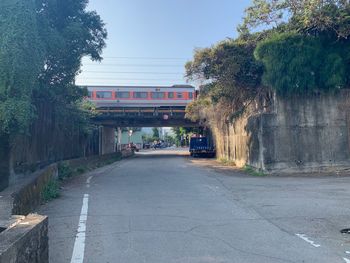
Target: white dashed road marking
(88, 181)
(305, 238)
(346, 260)
(79, 244)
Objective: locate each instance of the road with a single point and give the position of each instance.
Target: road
(162, 206)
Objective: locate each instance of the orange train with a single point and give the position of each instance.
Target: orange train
(141, 96)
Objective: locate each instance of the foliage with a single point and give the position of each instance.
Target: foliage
(21, 56)
(155, 133)
(229, 62)
(68, 33)
(252, 171)
(195, 108)
(297, 64)
(314, 16)
(232, 73)
(51, 191)
(64, 170)
(42, 43)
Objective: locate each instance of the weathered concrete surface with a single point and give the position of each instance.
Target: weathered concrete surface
(26, 242)
(107, 140)
(162, 207)
(28, 196)
(303, 134)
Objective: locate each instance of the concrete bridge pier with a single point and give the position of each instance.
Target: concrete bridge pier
(107, 140)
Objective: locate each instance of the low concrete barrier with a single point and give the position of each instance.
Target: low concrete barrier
(28, 197)
(26, 241)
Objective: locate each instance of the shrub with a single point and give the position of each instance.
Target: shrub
(51, 191)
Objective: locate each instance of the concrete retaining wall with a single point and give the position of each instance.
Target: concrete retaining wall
(300, 134)
(27, 198)
(26, 242)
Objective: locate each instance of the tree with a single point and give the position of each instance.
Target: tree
(21, 60)
(232, 74)
(316, 16)
(155, 133)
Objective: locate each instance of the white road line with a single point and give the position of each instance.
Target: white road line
(79, 244)
(305, 238)
(346, 260)
(88, 181)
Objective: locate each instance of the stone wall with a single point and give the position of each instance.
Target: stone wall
(298, 134)
(27, 241)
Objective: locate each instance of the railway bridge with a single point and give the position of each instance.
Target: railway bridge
(134, 106)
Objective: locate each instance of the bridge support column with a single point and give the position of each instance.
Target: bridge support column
(119, 143)
(107, 140)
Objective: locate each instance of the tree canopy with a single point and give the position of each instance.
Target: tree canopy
(42, 43)
(293, 47)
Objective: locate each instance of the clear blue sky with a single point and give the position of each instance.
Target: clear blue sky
(149, 41)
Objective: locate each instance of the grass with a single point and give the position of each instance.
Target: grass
(227, 162)
(252, 171)
(51, 191)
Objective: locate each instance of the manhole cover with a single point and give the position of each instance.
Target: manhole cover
(345, 231)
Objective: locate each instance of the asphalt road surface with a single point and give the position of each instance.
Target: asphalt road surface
(163, 206)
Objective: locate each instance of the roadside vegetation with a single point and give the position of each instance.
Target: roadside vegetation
(303, 49)
(42, 43)
(67, 170)
(253, 172)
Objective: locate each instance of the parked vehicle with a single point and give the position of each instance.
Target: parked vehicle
(201, 146)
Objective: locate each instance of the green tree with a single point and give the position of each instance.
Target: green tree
(232, 74)
(314, 16)
(21, 60)
(155, 133)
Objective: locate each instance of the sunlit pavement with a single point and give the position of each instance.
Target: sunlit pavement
(163, 206)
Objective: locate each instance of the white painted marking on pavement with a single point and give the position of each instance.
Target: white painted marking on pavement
(346, 260)
(79, 244)
(88, 181)
(347, 252)
(305, 238)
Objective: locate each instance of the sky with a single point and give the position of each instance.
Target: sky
(149, 41)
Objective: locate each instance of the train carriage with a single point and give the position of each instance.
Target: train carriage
(141, 96)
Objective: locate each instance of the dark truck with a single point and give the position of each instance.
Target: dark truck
(201, 146)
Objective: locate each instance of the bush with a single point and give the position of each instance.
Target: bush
(64, 170)
(299, 64)
(51, 191)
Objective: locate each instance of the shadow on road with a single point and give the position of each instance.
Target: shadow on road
(164, 153)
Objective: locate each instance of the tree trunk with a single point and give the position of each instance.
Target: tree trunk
(4, 161)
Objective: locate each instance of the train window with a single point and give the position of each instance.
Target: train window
(89, 94)
(157, 95)
(170, 95)
(104, 94)
(122, 94)
(179, 95)
(190, 95)
(140, 95)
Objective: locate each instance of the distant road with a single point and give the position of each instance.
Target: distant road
(161, 207)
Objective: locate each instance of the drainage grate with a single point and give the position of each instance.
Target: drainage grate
(345, 231)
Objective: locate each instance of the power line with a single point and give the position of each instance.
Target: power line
(131, 72)
(149, 58)
(129, 79)
(133, 65)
